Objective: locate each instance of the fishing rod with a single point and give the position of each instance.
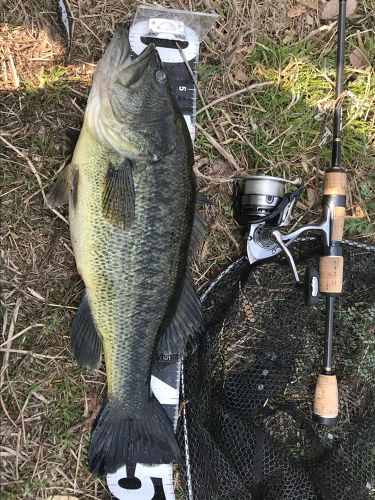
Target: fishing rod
(332, 263)
(262, 205)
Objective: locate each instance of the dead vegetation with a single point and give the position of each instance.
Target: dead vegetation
(244, 125)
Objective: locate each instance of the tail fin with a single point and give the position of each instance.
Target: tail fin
(119, 439)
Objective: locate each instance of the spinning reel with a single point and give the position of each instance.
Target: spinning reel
(262, 205)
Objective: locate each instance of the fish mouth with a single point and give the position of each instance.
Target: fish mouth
(131, 71)
(117, 65)
(115, 56)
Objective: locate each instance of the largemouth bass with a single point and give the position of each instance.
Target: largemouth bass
(133, 222)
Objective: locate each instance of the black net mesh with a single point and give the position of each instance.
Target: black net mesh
(246, 425)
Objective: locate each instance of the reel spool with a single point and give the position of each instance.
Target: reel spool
(260, 198)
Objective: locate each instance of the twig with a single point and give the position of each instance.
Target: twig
(6, 412)
(32, 354)
(62, 306)
(254, 86)
(37, 176)
(214, 180)
(12, 325)
(78, 461)
(321, 29)
(21, 333)
(219, 148)
(84, 422)
(270, 162)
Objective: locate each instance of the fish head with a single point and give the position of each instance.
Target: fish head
(131, 108)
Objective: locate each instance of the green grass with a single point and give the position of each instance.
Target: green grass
(57, 320)
(362, 225)
(67, 409)
(293, 118)
(299, 107)
(47, 87)
(360, 343)
(285, 122)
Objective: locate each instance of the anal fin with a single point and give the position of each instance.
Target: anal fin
(202, 199)
(85, 340)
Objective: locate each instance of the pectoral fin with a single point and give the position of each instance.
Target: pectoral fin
(59, 194)
(118, 200)
(85, 340)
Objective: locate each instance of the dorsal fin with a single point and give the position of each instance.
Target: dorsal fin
(187, 322)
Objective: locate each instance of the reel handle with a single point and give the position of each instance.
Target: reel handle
(326, 402)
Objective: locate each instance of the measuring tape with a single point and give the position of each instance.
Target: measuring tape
(177, 36)
(152, 482)
(169, 49)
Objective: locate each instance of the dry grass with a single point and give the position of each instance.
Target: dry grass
(48, 403)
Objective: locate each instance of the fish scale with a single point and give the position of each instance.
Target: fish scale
(135, 269)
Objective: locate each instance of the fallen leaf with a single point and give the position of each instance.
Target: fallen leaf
(36, 294)
(358, 212)
(220, 168)
(241, 54)
(312, 196)
(93, 404)
(241, 76)
(296, 11)
(62, 497)
(358, 59)
(301, 206)
(309, 20)
(331, 9)
(311, 4)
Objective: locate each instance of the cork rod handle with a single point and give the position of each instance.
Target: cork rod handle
(331, 266)
(331, 270)
(335, 188)
(326, 404)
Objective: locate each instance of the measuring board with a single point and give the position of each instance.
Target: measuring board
(177, 35)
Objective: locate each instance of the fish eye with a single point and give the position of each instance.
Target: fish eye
(161, 76)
